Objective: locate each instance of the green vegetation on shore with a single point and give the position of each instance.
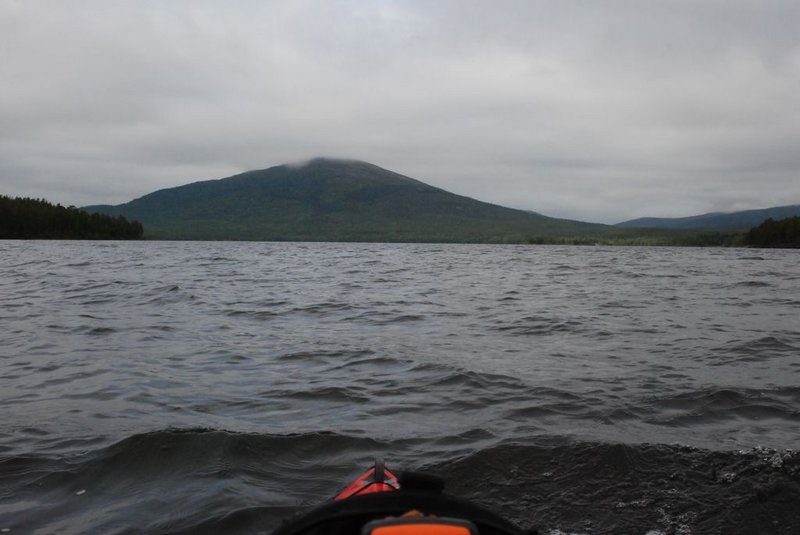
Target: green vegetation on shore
(771, 233)
(646, 238)
(24, 218)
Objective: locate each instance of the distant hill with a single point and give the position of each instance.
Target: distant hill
(333, 200)
(735, 221)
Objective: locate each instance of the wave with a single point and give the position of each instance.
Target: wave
(760, 349)
(752, 284)
(539, 326)
(620, 488)
(208, 480)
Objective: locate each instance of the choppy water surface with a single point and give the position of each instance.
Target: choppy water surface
(219, 387)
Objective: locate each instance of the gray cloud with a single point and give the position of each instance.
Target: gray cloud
(598, 111)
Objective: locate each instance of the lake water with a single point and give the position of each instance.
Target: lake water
(182, 387)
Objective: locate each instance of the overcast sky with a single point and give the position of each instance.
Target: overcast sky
(591, 110)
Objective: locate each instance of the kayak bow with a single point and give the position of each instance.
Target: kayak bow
(380, 503)
(376, 479)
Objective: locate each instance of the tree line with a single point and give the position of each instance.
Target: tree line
(771, 233)
(26, 218)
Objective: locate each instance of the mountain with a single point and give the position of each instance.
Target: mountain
(332, 200)
(735, 221)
